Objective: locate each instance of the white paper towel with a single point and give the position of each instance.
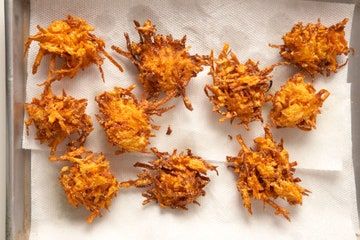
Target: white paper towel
(248, 26)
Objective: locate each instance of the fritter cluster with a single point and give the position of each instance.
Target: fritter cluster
(238, 90)
(164, 64)
(173, 180)
(57, 118)
(69, 40)
(265, 173)
(315, 47)
(297, 104)
(88, 181)
(127, 121)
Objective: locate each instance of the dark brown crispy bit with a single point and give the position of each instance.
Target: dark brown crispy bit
(169, 130)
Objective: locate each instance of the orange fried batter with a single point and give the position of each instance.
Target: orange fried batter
(126, 120)
(174, 180)
(71, 41)
(57, 118)
(315, 47)
(297, 104)
(164, 63)
(88, 181)
(265, 173)
(238, 90)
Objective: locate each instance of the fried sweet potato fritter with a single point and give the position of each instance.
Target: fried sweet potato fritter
(265, 173)
(315, 47)
(297, 104)
(238, 90)
(174, 180)
(57, 118)
(88, 181)
(127, 121)
(71, 41)
(164, 63)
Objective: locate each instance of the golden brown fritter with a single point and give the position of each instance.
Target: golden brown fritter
(238, 90)
(265, 173)
(297, 104)
(57, 118)
(127, 121)
(71, 41)
(314, 47)
(164, 63)
(173, 180)
(88, 181)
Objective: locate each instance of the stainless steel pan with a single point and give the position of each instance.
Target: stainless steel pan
(18, 160)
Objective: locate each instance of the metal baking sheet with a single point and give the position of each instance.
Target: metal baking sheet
(17, 17)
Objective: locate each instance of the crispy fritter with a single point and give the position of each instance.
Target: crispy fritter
(88, 181)
(314, 47)
(57, 118)
(297, 104)
(238, 90)
(174, 180)
(164, 63)
(265, 173)
(127, 121)
(71, 41)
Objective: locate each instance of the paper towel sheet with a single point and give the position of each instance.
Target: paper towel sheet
(248, 26)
